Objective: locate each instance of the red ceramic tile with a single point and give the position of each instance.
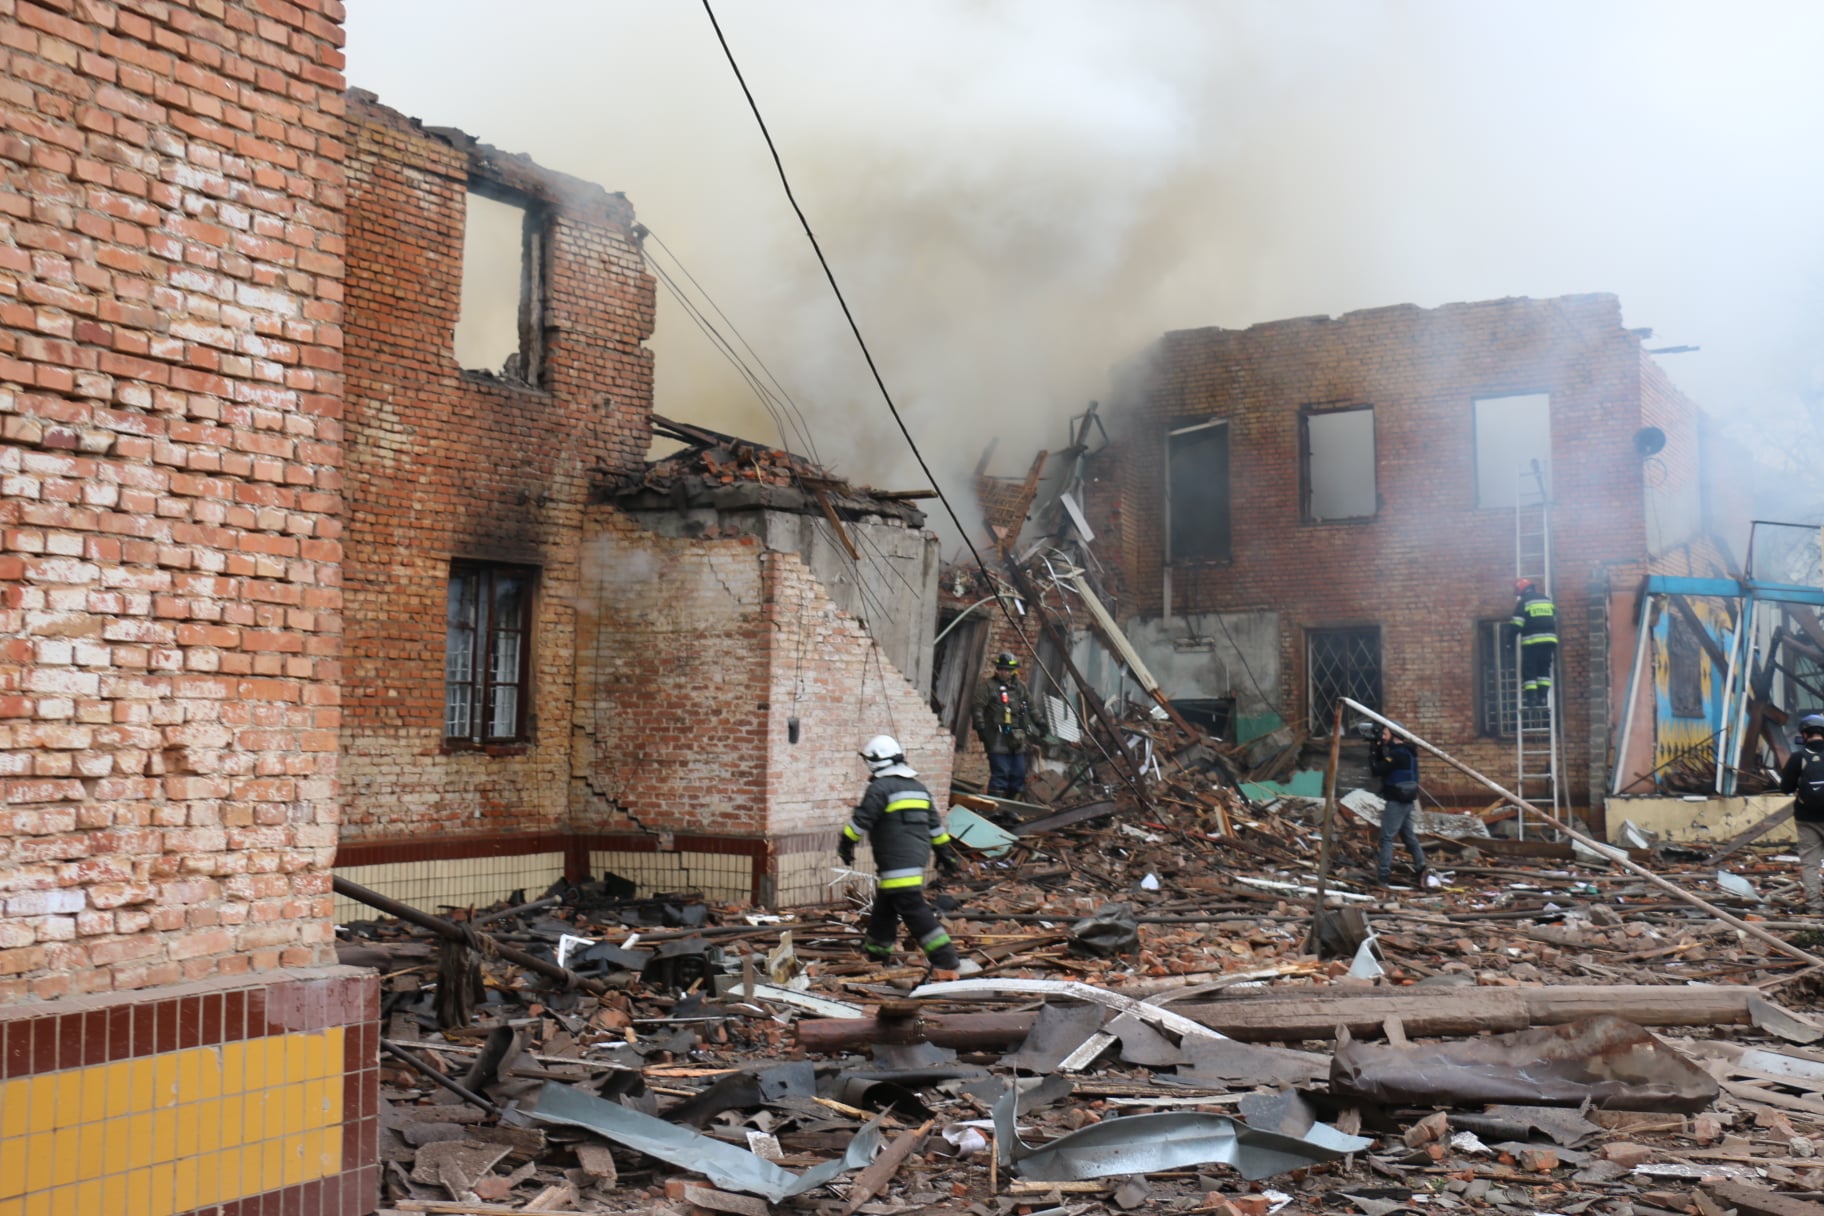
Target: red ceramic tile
(164, 1029)
(145, 1020)
(258, 1026)
(120, 1032)
(95, 1037)
(16, 1048)
(212, 1019)
(189, 1022)
(69, 1040)
(44, 1044)
(234, 1016)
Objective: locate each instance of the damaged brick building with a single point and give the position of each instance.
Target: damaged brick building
(281, 575)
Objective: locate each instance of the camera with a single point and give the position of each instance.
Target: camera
(1366, 729)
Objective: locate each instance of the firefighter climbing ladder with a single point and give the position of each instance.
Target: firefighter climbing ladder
(1536, 744)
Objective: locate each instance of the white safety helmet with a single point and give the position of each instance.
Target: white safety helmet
(885, 758)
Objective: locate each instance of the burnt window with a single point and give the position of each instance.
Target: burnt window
(1336, 466)
(500, 330)
(1513, 438)
(1197, 493)
(1684, 667)
(1342, 663)
(486, 667)
(1498, 683)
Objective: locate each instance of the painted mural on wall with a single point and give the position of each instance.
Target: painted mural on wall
(1687, 686)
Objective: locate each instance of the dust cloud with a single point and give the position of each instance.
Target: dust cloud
(1017, 195)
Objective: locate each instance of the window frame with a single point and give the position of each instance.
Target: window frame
(1307, 488)
(485, 636)
(1227, 547)
(534, 250)
(1319, 720)
(1475, 446)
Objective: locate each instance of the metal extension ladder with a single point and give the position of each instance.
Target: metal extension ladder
(1537, 750)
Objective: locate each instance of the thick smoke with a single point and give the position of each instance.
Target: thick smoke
(1017, 195)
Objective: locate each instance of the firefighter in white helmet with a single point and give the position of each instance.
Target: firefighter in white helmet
(902, 826)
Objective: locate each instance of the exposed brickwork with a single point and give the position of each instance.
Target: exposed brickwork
(1431, 563)
(445, 464)
(171, 263)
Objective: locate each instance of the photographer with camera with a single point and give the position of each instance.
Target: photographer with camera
(1396, 762)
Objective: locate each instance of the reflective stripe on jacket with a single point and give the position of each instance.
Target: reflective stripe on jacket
(1536, 617)
(901, 823)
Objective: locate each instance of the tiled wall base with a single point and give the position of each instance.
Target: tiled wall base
(254, 1096)
(457, 882)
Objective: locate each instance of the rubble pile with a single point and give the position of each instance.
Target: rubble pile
(1150, 1018)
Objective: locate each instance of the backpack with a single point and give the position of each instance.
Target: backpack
(1808, 798)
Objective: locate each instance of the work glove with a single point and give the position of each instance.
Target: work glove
(845, 849)
(947, 863)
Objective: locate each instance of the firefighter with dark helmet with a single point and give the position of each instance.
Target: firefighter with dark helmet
(1536, 620)
(1005, 724)
(900, 822)
(1803, 778)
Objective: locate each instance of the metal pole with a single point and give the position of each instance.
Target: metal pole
(1627, 714)
(1315, 941)
(1728, 707)
(1619, 856)
(463, 935)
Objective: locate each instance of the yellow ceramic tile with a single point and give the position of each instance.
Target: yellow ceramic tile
(253, 1177)
(209, 1126)
(41, 1204)
(234, 1067)
(15, 1104)
(94, 1094)
(119, 1076)
(209, 1073)
(12, 1207)
(139, 1191)
(114, 1194)
(12, 1168)
(189, 1075)
(294, 1159)
(230, 1175)
(41, 1103)
(332, 1101)
(38, 1162)
(92, 1148)
(208, 1180)
(278, 1050)
(183, 1186)
(304, 1058)
(159, 1190)
(68, 1097)
(139, 1141)
(164, 1137)
(188, 1135)
(272, 1164)
(254, 1065)
(66, 1156)
(164, 1080)
(230, 1126)
(253, 1118)
(336, 1040)
(140, 1083)
(296, 1114)
(89, 1200)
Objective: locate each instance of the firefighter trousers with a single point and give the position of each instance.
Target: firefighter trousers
(907, 905)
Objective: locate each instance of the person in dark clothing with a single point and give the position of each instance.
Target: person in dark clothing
(1536, 620)
(1004, 723)
(902, 826)
(1396, 762)
(1803, 778)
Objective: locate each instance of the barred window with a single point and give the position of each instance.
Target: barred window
(1498, 683)
(486, 670)
(1342, 663)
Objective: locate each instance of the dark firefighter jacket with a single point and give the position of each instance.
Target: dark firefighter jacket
(902, 824)
(1003, 714)
(1536, 617)
(1803, 776)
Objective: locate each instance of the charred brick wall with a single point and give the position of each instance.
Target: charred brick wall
(449, 465)
(1430, 563)
(171, 266)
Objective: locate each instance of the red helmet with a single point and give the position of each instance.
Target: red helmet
(1522, 585)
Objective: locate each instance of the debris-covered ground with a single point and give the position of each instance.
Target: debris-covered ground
(1141, 1026)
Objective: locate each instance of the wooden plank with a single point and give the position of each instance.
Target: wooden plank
(880, 1171)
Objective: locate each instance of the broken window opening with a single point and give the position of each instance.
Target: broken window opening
(1512, 433)
(487, 684)
(1337, 466)
(955, 666)
(1498, 684)
(1197, 517)
(1341, 663)
(500, 329)
(1684, 668)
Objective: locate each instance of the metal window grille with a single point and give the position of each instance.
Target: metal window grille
(485, 660)
(1342, 663)
(1498, 683)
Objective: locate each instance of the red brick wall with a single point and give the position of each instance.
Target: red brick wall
(445, 465)
(695, 654)
(1431, 563)
(171, 267)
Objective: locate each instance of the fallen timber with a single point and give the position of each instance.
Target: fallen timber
(1316, 1013)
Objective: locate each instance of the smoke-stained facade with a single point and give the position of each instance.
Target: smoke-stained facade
(1230, 454)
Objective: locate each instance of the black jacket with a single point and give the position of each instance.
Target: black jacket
(1394, 763)
(901, 823)
(1793, 780)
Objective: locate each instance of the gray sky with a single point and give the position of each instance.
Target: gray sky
(1017, 195)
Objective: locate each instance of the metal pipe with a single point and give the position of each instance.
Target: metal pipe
(1617, 856)
(463, 935)
(1727, 717)
(1616, 785)
(419, 1066)
(958, 618)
